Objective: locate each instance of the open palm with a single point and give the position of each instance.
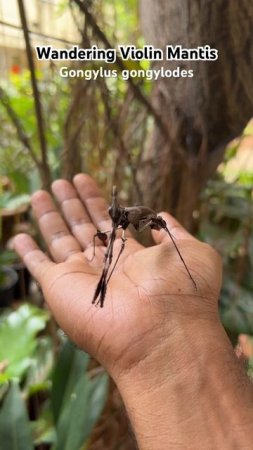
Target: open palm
(148, 294)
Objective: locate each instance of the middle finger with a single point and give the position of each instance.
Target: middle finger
(75, 213)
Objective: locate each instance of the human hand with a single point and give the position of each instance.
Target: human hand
(150, 295)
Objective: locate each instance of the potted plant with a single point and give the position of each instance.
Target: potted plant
(8, 278)
(14, 277)
(12, 208)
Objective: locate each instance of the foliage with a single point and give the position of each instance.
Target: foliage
(226, 222)
(111, 146)
(15, 159)
(74, 400)
(18, 333)
(77, 401)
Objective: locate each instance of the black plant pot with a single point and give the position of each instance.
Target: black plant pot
(7, 289)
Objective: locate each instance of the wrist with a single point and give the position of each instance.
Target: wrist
(183, 388)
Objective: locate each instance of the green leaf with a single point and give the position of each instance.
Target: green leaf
(4, 199)
(43, 429)
(39, 373)
(15, 433)
(7, 257)
(97, 399)
(18, 338)
(20, 180)
(81, 412)
(17, 201)
(45, 434)
(70, 367)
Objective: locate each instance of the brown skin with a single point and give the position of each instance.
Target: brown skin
(155, 329)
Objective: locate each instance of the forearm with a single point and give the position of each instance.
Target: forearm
(193, 396)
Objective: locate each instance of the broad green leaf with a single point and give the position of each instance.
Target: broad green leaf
(81, 412)
(4, 199)
(97, 399)
(17, 201)
(18, 338)
(71, 365)
(15, 431)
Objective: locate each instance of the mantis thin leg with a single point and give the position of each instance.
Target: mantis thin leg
(175, 245)
(102, 235)
(124, 239)
(102, 284)
(180, 256)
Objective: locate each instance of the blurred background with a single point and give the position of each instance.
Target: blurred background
(179, 144)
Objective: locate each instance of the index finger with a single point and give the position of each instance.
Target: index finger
(36, 261)
(94, 202)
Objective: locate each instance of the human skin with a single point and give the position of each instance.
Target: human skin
(159, 338)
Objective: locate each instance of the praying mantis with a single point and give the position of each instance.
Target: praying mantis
(140, 217)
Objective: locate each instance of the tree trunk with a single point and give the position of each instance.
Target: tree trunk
(204, 112)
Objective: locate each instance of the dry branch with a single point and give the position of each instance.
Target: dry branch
(136, 90)
(45, 171)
